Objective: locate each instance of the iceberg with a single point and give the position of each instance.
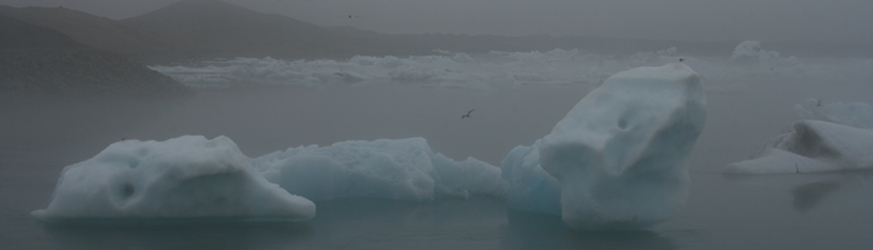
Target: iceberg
(751, 51)
(621, 154)
(404, 169)
(181, 178)
(531, 188)
(192, 177)
(813, 146)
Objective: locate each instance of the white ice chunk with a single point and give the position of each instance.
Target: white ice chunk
(813, 146)
(405, 169)
(185, 177)
(531, 188)
(777, 161)
(751, 51)
(621, 153)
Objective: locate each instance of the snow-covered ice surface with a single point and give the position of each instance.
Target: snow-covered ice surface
(812, 146)
(404, 169)
(621, 154)
(181, 178)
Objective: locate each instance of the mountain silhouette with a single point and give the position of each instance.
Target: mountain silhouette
(216, 28)
(92, 31)
(21, 35)
(38, 61)
(191, 30)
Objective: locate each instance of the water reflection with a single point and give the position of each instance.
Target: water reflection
(180, 236)
(343, 224)
(807, 191)
(809, 195)
(479, 223)
(539, 231)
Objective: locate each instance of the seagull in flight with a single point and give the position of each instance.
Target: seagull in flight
(468, 114)
(352, 16)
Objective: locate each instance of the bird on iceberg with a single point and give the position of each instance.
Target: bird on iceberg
(468, 114)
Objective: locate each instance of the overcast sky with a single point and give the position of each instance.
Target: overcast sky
(767, 20)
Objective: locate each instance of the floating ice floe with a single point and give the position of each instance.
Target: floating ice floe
(830, 137)
(813, 146)
(191, 177)
(182, 178)
(405, 169)
(620, 155)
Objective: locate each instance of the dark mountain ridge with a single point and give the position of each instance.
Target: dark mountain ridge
(215, 28)
(196, 29)
(36, 61)
(92, 31)
(21, 35)
(191, 30)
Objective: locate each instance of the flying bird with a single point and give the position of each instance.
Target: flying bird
(351, 16)
(468, 114)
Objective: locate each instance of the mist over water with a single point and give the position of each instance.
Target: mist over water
(262, 113)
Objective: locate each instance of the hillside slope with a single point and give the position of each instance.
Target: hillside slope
(92, 31)
(216, 28)
(39, 61)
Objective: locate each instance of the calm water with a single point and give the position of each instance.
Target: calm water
(824, 211)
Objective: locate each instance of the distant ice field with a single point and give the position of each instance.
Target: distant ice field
(498, 69)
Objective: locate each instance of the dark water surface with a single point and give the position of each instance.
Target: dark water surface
(813, 211)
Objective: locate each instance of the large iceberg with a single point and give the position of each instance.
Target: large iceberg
(181, 178)
(192, 177)
(404, 169)
(813, 146)
(621, 153)
(531, 188)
